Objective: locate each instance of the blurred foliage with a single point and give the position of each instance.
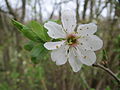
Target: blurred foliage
(38, 34)
(24, 67)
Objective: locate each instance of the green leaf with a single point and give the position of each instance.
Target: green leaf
(57, 21)
(17, 24)
(14, 75)
(27, 31)
(39, 30)
(39, 74)
(104, 57)
(46, 35)
(107, 88)
(38, 53)
(29, 46)
(4, 86)
(30, 34)
(92, 89)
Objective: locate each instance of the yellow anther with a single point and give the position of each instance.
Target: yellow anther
(57, 47)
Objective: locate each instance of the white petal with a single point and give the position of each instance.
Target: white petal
(91, 42)
(74, 60)
(86, 29)
(60, 55)
(53, 45)
(68, 20)
(55, 30)
(87, 57)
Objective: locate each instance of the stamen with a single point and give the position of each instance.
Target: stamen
(72, 40)
(85, 57)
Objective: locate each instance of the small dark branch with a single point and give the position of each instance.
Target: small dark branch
(23, 9)
(63, 2)
(108, 71)
(85, 9)
(11, 11)
(56, 5)
(35, 10)
(1, 10)
(51, 15)
(40, 10)
(60, 12)
(8, 6)
(77, 10)
(102, 9)
(91, 9)
(98, 7)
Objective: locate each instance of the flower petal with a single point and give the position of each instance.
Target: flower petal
(60, 55)
(91, 42)
(55, 30)
(86, 29)
(53, 45)
(68, 20)
(74, 60)
(87, 57)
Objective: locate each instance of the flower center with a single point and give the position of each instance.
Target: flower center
(72, 40)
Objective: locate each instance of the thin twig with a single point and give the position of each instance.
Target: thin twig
(1, 10)
(98, 13)
(108, 71)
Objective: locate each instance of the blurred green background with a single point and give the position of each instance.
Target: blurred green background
(19, 72)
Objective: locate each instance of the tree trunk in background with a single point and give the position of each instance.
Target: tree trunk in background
(85, 9)
(91, 9)
(77, 10)
(23, 10)
(40, 10)
(5, 67)
(19, 68)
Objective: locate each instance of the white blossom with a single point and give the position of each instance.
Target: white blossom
(78, 42)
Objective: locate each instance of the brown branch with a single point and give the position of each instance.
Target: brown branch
(77, 10)
(98, 7)
(92, 2)
(23, 10)
(85, 9)
(40, 10)
(102, 9)
(56, 5)
(63, 2)
(108, 71)
(3, 11)
(11, 11)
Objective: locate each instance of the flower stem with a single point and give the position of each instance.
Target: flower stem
(108, 71)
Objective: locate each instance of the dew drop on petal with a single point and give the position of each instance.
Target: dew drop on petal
(57, 47)
(91, 47)
(81, 43)
(85, 57)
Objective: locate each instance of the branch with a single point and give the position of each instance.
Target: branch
(77, 10)
(11, 11)
(40, 10)
(56, 5)
(85, 9)
(108, 71)
(23, 9)
(63, 2)
(1, 10)
(92, 3)
(102, 8)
